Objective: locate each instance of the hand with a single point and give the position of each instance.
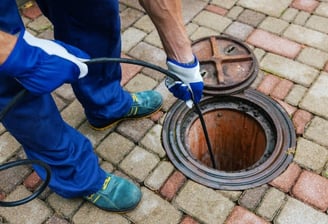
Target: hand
(42, 65)
(191, 85)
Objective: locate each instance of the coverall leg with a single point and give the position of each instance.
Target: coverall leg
(36, 122)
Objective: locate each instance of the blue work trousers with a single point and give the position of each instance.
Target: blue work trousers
(93, 26)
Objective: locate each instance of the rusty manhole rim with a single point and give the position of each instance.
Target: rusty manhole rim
(180, 156)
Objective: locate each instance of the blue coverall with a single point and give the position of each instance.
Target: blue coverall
(92, 26)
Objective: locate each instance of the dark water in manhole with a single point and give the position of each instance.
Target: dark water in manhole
(238, 140)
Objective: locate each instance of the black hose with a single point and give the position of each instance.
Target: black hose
(37, 192)
(23, 92)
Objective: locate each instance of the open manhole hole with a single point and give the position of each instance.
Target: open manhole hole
(250, 133)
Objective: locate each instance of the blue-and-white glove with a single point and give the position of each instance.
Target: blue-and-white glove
(191, 81)
(43, 65)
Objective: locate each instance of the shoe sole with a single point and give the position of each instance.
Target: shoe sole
(123, 119)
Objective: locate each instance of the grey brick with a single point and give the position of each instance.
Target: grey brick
(34, 212)
(295, 212)
(88, 213)
(271, 203)
(224, 3)
(129, 16)
(317, 131)
(154, 209)
(139, 163)
(289, 69)
(135, 129)
(295, 95)
(114, 148)
(316, 99)
(251, 18)
(269, 7)
(252, 197)
(274, 25)
(157, 178)
(210, 20)
(290, 14)
(8, 146)
(152, 141)
(322, 9)
(63, 206)
(131, 37)
(74, 114)
(204, 203)
(313, 57)
(239, 30)
(318, 23)
(310, 155)
(145, 24)
(307, 36)
(234, 12)
(301, 18)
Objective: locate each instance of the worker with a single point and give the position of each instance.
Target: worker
(84, 29)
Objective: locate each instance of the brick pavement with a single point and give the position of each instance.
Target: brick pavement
(290, 41)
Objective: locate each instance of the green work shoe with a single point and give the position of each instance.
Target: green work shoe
(144, 104)
(117, 195)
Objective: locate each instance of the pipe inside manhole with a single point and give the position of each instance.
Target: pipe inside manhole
(238, 140)
(250, 135)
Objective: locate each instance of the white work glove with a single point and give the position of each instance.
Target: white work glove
(191, 85)
(43, 65)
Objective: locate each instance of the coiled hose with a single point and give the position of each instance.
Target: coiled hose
(22, 93)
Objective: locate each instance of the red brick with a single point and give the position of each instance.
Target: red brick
(2, 196)
(31, 10)
(282, 89)
(289, 108)
(312, 189)
(300, 119)
(172, 185)
(128, 71)
(305, 5)
(275, 44)
(188, 220)
(32, 181)
(241, 215)
(287, 179)
(216, 10)
(156, 116)
(268, 84)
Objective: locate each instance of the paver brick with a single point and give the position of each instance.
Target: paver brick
(268, 83)
(130, 37)
(31, 10)
(296, 212)
(307, 36)
(310, 155)
(8, 147)
(239, 30)
(271, 204)
(270, 7)
(273, 43)
(205, 204)
(152, 141)
(318, 23)
(234, 12)
(300, 120)
(317, 131)
(154, 209)
(140, 128)
(64, 207)
(289, 109)
(145, 24)
(289, 69)
(251, 198)
(295, 95)
(157, 178)
(216, 10)
(313, 57)
(88, 213)
(56, 220)
(32, 181)
(241, 215)
(172, 185)
(322, 9)
(289, 15)
(301, 18)
(140, 83)
(287, 179)
(74, 114)
(130, 16)
(209, 20)
(188, 220)
(139, 163)
(312, 189)
(224, 3)
(316, 99)
(34, 212)
(282, 89)
(305, 5)
(274, 25)
(250, 17)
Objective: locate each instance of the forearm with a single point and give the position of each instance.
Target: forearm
(7, 43)
(167, 18)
